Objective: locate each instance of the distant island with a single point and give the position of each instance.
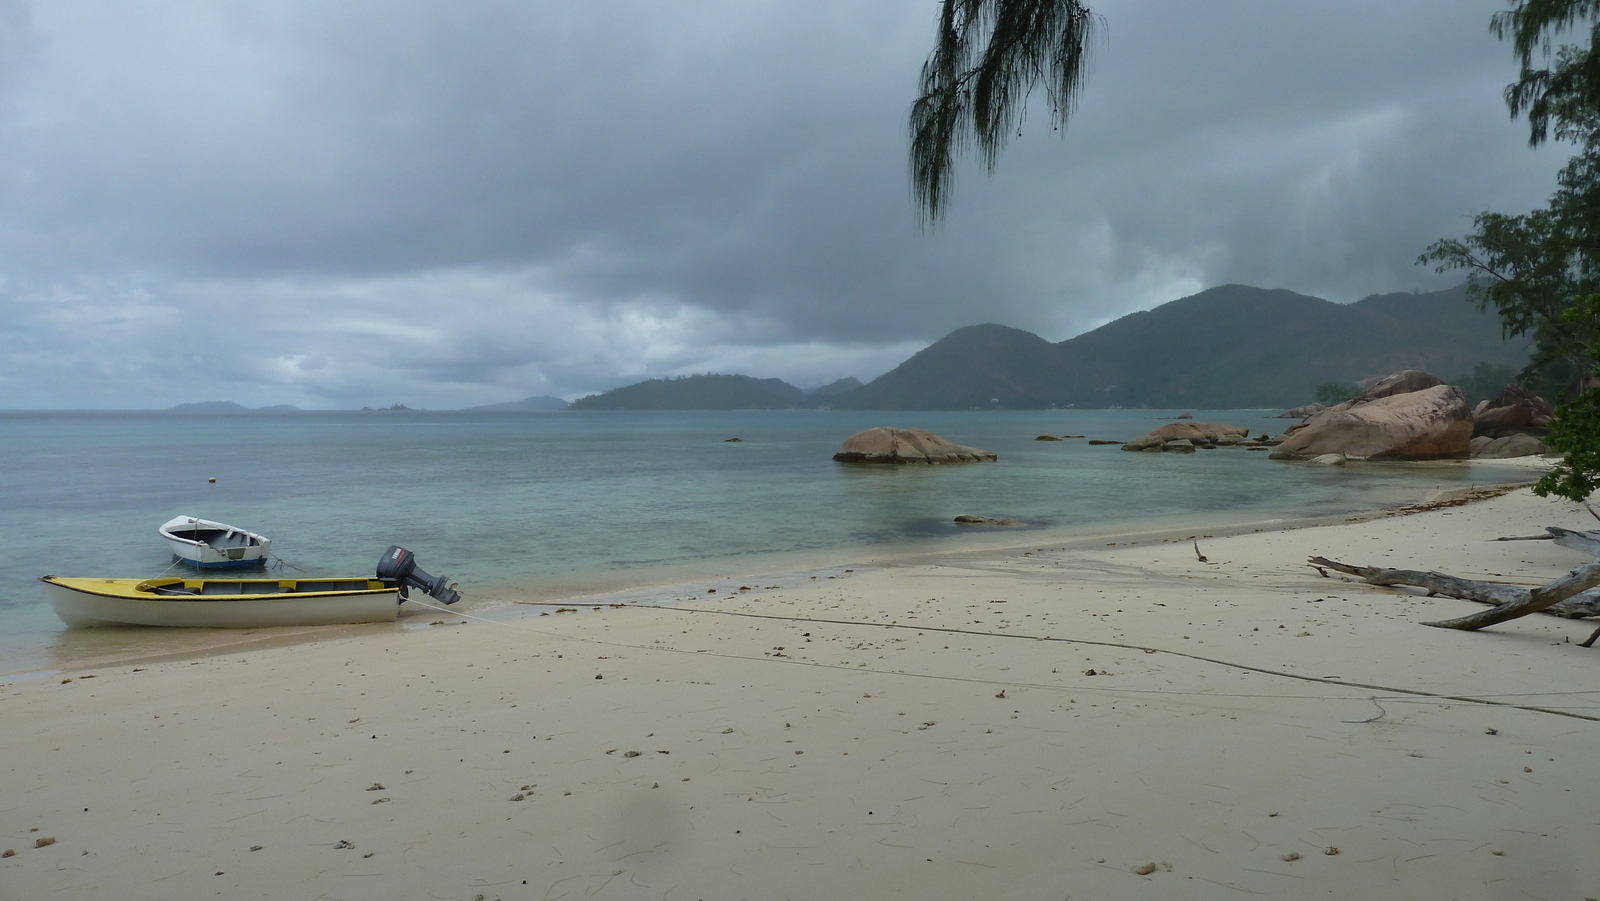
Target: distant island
(1230, 347)
(228, 408)
(539, 404)
(543, 403)
(698, 392)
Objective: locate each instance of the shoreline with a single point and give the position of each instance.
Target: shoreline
(1121, 721)
(80, 650)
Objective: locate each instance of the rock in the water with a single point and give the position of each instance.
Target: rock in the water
(1103, 441)
(1509, 446)
(1202, 432)
(892, 445)
(969, 519)
(1301, 412)
(1184, 437)
(1516, 410)
(1047, 438)
(1328, 460)
(1185, 416)
(1413, 425)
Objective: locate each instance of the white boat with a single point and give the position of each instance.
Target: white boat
(214, 545)
(246, 603)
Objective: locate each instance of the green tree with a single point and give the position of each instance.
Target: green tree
(1531, 267)
(1567, 90)
(1330, 393)
(1541, 271)
(1575, 430)
(988, 57)
(1486, 380)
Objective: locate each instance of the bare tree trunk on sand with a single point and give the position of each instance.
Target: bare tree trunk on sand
(1566, 596)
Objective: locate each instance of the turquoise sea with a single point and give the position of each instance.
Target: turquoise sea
(524, 506)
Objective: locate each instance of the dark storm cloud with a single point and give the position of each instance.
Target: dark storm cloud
(447, 204)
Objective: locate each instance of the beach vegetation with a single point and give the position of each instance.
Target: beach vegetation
(1531, 268)
(1330, 393)
(1541, 270)
(1575, 428)
(1487, 380)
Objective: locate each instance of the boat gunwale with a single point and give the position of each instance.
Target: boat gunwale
(150, 595)
(257, 540)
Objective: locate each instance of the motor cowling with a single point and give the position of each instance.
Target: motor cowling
(398, 566)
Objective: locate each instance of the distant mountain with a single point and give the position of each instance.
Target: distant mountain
(227, 408)
(697, 392)
(979, 366)
(541, 404)
(849, 383)
(1228, 347)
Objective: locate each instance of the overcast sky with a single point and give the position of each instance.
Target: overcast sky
(446, 204)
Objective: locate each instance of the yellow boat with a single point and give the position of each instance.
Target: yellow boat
(221, 603)
(245, 603)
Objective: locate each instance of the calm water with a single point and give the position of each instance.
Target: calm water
(542, 504)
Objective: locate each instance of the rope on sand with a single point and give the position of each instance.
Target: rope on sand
(1391, 692)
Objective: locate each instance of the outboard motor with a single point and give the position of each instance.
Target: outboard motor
(398, 566)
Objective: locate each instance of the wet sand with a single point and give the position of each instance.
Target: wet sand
(1042, 722)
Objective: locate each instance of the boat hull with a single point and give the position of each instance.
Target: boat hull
(254, 562)
(103, 602)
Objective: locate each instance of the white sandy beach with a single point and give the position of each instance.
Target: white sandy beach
(884, 730)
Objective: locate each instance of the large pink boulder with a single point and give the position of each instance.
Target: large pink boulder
(1415, 425)
(1406, 381)
(889, 445)
(1513, 411)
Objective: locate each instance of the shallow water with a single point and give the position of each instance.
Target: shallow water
(543, 505)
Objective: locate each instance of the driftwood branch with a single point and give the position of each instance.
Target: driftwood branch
(1574, 540)
(1573, 595)
(1571, 539)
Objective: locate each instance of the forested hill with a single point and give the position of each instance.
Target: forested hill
(1228, 347)
(697, 392)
